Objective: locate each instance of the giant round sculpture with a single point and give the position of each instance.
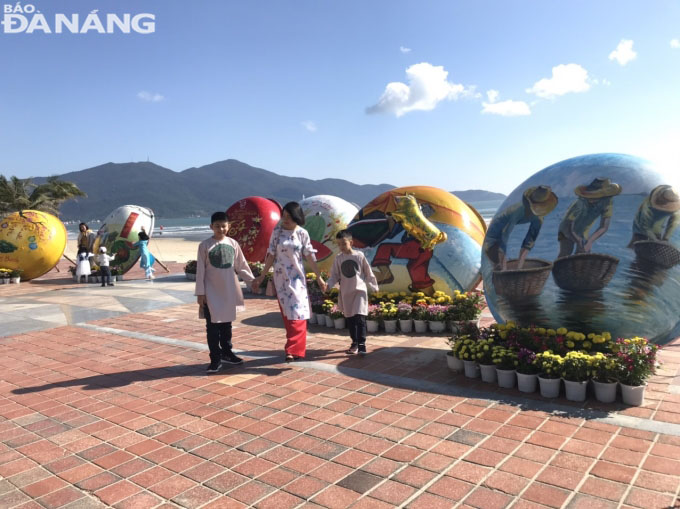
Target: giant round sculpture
(325, 216)
(120, 232)
(591, 244)
(420, 239)
(31, 241)
(251, 222)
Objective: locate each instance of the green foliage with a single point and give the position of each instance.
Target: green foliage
(17, 195)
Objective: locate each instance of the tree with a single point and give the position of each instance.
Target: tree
(17, 195)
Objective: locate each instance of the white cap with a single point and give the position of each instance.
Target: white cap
(102, 249)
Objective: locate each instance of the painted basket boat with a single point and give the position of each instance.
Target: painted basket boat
(661, 253)
(528, 281)
(584, 271)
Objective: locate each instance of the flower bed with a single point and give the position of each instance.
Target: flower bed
(574, 357)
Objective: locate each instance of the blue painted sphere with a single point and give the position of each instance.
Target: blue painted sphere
(591, 244)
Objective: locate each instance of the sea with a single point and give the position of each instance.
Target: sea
(195, 228)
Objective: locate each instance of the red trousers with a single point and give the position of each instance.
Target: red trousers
(418, 261)
(296, 335)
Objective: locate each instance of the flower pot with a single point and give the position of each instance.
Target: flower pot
(312, 317)
(549, 387)
(15, 280)
(119, 277)
(526, 383)
(605, 392)
(329, 321)
(339, 323)
(633, 395)
(488, 373)
(437, 326)
(471, 369)
(454, 363)
(5, 280)
(390, 326)
(506, 378)
(405, 325)
(458, 326)
(420, 326)
(190, 277)
(575, 391)
(372, 325)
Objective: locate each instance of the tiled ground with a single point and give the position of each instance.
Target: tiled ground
(116, 410)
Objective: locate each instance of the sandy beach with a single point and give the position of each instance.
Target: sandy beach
(170, 249)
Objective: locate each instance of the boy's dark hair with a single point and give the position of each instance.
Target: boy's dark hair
(219, 216)
(293, 208)
(82, 249)
(344, 234)
(85, 225)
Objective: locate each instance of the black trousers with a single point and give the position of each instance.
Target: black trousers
(357, 329)
(219, 337)
(105, 272)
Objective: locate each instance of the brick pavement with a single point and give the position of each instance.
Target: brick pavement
(118, 412)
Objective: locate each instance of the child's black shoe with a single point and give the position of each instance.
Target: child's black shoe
(362, 350)
(352, 350)
(214, 367)
(230, 358)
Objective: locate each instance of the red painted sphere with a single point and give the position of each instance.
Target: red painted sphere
(251, 222)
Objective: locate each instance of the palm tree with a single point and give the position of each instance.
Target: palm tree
(17, 195)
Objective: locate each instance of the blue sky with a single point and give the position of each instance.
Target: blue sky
(454, 94)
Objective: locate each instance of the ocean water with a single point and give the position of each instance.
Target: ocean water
(196, 228)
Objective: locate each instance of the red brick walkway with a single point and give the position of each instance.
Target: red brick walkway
(91, 418)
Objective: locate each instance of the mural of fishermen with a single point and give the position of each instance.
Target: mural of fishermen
(537, 202)
(655, 221)
(596, 200)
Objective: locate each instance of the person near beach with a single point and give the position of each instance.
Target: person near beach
(218, 292)
(537, 202)
(86, 237)
(83, 268)
(658, 215)
(594, 200)
(352, 271)
(103, 261)
(289, 247)
(146, 259)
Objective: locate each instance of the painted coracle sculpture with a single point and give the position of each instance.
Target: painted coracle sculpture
(31, 241)
(119, 234)
(604, 226)
(420, 239)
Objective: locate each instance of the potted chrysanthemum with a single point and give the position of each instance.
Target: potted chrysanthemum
(637, 362)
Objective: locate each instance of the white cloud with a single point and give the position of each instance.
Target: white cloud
(565, 79)
(427, 87)
(149, 97)
(624, 52)
(310, 126)
(404, 49)
(504, 108)
(675, 43)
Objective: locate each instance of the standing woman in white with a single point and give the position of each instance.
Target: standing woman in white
(289, 246)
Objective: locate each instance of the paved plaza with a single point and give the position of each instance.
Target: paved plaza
(104, 401)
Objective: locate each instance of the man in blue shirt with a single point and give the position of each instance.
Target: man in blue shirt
(537, 202)
(594, 200)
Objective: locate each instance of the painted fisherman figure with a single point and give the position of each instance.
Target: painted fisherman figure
(537, 202)
(658, 215)
(594, 200)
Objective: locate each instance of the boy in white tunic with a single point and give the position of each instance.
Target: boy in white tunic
(353, 272)
(218, 292)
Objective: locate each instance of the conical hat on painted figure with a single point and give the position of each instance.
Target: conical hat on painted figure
(120, 231)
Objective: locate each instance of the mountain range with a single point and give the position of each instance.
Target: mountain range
(201, 191)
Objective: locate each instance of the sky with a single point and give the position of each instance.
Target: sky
(453, 94)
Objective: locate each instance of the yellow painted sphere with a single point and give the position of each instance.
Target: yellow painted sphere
(32, 241)
(420, 238)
